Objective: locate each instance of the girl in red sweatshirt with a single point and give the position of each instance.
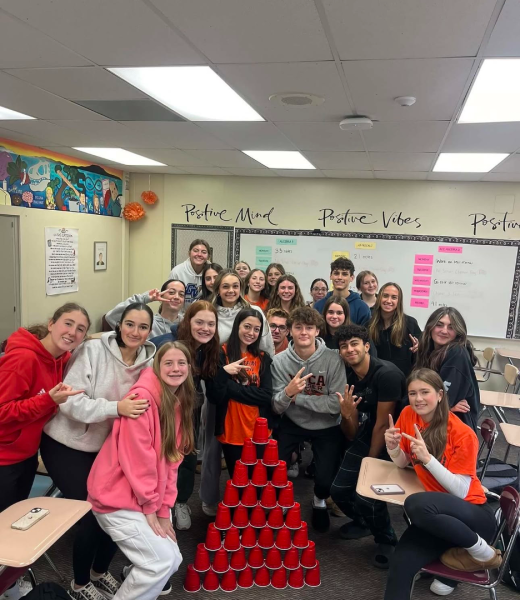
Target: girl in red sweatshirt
(31, 389)
(133, 482)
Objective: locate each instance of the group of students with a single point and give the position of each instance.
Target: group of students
(117, 419)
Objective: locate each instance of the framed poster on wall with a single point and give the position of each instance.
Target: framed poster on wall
(100, 256)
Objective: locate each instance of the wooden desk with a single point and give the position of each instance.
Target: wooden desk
(488, 398)
(23, 548)
(374, 471)
(509, 353)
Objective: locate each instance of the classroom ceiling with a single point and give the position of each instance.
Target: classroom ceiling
(356, 54)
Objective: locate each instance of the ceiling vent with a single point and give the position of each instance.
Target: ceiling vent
(296, 99)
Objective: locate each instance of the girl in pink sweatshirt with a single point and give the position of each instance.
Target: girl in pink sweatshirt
(133, 482)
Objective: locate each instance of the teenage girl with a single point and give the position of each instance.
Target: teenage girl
(273, 272)
(319, 289)
(133, 482)
(242, 390)
(209, 274)
(106, 369)
(190, 271)
(394, 334)
(451, 519)
(366, 283)
(171, 296)
(336, 313)
(286, 294)
(256, 292)
(445, 348)
(242, 268)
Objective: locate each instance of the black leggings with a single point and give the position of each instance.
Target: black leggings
(232, 453)
(186, 478)
(69, 469)
(16, 481)
(439, 521)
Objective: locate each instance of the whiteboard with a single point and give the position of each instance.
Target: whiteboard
(478, 277)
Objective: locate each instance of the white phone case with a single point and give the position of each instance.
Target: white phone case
(30, 519)
(384, 489)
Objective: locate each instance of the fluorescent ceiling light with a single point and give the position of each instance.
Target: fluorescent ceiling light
(121, 156)
(275, 159)
(6, 114)
(196, 93)
(495, 95)
(467, 162)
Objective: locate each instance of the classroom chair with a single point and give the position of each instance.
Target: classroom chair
(497, 401)
(486, 579)
(484, 373)
(489, 433)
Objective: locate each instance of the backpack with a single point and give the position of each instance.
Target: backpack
(498, 475)
(47, 591)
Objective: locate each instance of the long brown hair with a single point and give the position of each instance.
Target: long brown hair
(398, 325)
(276, 302)
(215, 296)
(172, 448)
(346, 311)
(436, 434)
(210, 351)
(431, 358)
(264, 292)
(41, 331)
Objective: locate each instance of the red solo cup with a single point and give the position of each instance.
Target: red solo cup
(301, 537)
(232, 539)
(286, 497)
(291, 559)
(228, 582)
(262, 577)
(266, 538)
(279, 478)
(275, 519)
(221, 561)
(283, 539)
(223, 518)
(245, 578)
(268, 499)
(249, 497)
(261, 432)
(257, 518)
(270, 458)
(313, 577)
(238, 560)
(308, 559)
(296, 578)
(273, 560)
(240, 517)
(231, 495)
(201, 562)
(256, 558)
(248, 539)
(192, 580)
(279, 579)
(259, 477)
(240, 476)
(210, 581)
(293, 518)
(248, 452)
(213, 541)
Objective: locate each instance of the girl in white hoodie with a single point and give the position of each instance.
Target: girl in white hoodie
(190, 271)
(106, 369)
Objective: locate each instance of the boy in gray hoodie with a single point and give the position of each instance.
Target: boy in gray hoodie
(306, 379)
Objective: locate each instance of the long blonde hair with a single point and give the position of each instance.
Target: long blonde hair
(398, 325)
(184, 397)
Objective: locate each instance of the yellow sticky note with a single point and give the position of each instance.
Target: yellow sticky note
(344, 253)
(365, 245)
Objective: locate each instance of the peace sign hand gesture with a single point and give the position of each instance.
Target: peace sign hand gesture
(392, 435)
(415, 343)
(297, 384)
(348, 403)
(236, 367)
(418, 446)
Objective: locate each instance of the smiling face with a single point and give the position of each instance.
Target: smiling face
(273, 276)
(318, 291)
(209, 278)
(135, 328)
(369, 285)
(229, 290)
(389, 299)
(174, 293)
(353, 351)
(335, 316)
(304, 336)
(341, 279)
(242, 269)
(257, 281)
(68, 331)
(424, 399)
(248, 331)
(443, 332)
(198, 257)
(174, 368)
(203, 326)
(286, 291)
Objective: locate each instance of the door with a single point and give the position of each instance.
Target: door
(9, 276)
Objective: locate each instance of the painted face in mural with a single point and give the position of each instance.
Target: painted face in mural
(82, 198)
(113, 190)
(96, 203)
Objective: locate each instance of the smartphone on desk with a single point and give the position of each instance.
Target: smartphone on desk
(30, 519)
(385, 489)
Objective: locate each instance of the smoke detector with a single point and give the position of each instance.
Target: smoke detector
(296, 99)
(405, 101)
(356, 123)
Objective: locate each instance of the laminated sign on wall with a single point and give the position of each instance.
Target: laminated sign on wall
(61, 260)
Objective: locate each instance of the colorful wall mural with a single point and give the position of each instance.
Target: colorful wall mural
(32, 177)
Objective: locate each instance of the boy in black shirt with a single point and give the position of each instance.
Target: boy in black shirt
(374, 389)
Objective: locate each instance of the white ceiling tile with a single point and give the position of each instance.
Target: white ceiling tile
(322, 137)
(345, 174)
(501, 177)
(169, 156)
(186, 136)
(206, 171)
(405, 161)
(252, 172)
(248, 31)
(368, 29)
(415, 175)
(436, 83)
(258, 82)
(105, 133)
(225, 158)
(298, 173)
(504, 40)
(405, 136)
(349, 161)
(166, 170)
(67, 151)
(483, 137)
(20, 137)
(51, 132)
(115, 33)
(454, 176)
(249, 136)
(510, 165)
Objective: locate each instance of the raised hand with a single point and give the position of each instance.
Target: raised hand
(418, 446)
(415, 343)
(128, 407)
(348, 402)
(297, 384)
(60, 393)
(392, 435)
(236, 367)
(155, 295)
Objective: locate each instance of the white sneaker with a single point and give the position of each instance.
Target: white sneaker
(441, 589)
(106, 585)
(293, 471)
(182, 516)
(209, 509)
(20, 589)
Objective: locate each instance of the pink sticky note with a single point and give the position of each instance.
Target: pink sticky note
(451, 249)
(422, 270)
(419, 303)
(420, 291)
(421, 280)
(424, 259)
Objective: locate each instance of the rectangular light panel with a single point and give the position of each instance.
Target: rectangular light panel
(467, 162)
(124, 157)
(7, 114)
(280, 159)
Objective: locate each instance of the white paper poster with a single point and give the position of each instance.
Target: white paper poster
(61, 261)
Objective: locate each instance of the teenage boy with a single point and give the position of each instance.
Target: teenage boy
(376, 387)
(342, 275)
(306, 380)
(277, 319)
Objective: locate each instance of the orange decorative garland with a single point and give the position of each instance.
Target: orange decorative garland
(149, 197)
(133, 211)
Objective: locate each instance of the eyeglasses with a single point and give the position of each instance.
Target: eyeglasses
(280, 328)
(319, 289)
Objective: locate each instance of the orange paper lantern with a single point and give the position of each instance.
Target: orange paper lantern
(149, 197)
(133, 211)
